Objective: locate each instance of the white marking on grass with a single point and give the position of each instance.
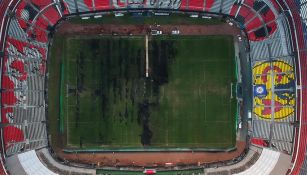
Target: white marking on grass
(146, 47)
(67, 129)
(205, 95)
(231, 91)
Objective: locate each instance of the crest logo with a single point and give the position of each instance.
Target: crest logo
(283, 96)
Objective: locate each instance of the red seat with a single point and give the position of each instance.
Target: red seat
(41, 3)
(41, 23)
(11, 135)
(250, 3)
(89, 4)
(4, 113)
(20, 45)
(52, 14)
(258, 141)
(209, 4)
(7, 83)
(39, 34)
(102, 4)
(234, 10)
(253, 24)
(197, 5)
(19, 66)
(184, 4)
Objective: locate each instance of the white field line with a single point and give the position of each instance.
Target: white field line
(146, 47)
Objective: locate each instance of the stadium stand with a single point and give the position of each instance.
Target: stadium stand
(257, 161)
(41, 163)
(297, 30)
(69, 6)
(277, 37)
(32, 165)
(273, 69)
(265, 163)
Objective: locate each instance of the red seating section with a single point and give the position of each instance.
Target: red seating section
(197, 5)
(3, 6)
(4, 113)
(250, 3)
(276, 5)
(7, 83)
(184, 4)
(8, 98)
(20, 45)
(41, 23)
(102, 4)
(41, 4)
(255, 20)
(64, 8)
(260, 142)
(246, 14)
(209, 4)
(39, 34)
(19, 66)
(26, 15)
(52, 14)
(89, 4)
(16, 43)
(19, 13)
(254, 24)
(11, 135)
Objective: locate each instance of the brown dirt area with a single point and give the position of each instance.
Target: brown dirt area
(152, 158)
(107, 29)
(148, 158)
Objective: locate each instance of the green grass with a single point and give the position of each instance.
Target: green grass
(195, 106)
(54, 82)
(173, 172)
(102, 104)
(108, 103)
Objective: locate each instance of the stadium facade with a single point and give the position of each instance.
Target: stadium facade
(276, 32)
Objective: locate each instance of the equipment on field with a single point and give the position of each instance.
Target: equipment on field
(149, 171)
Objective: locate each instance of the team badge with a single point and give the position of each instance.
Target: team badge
(277, 91)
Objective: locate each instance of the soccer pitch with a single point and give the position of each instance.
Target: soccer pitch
(107, 102)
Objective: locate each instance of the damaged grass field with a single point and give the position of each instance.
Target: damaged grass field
(100, 97)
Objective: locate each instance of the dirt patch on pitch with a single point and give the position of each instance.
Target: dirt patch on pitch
(109, 29)
(152, 159)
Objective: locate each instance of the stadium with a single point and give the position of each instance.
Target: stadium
(212, 87)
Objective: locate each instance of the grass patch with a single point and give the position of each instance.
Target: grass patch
(173, 172)
(109, 103)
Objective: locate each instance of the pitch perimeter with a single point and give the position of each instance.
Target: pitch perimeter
(184, 103)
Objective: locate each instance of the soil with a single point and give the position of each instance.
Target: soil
(152, 159)
(109, 29)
